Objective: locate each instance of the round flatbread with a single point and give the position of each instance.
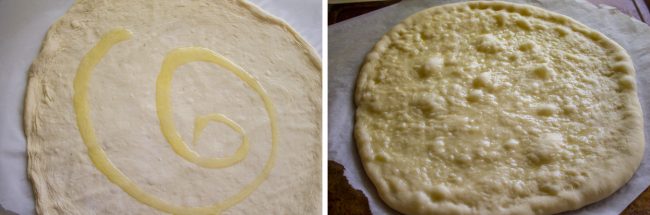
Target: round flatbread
(496, 108)
(177, 107)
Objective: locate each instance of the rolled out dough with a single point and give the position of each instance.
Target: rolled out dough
(122, 107)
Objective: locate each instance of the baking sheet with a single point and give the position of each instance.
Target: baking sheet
(350, 40)
(23, 24)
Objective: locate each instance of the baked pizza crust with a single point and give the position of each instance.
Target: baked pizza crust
(431, 147)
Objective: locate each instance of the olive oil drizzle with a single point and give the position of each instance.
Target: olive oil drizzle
(172, 61)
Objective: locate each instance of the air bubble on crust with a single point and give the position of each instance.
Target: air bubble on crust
(433, 65)
(382, 157)
(595, 36)
(524, 24)
(488, 43)
(544, 72)
(383, 44)
(622, 67)
(562, 31)
(549, 189)
(373, 56)
(482, 81)
(439, 192)
(475, 95)
(627, 83)
(557, 19)
(500, 18)
(527, 46)
(524, 11)
(546, 109)
(511, 143)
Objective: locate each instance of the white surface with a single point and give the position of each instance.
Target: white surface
(23, 24)
(346, 57)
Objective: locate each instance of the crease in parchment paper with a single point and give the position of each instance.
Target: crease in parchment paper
(349, 42)
(4, 211)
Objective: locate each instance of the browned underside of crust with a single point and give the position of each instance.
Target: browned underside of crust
(342, 197)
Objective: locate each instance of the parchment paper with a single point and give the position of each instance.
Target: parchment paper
(23, 24)
(349, 42)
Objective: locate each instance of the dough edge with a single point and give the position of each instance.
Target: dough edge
(590, 192)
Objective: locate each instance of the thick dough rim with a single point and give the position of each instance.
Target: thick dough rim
(591, 191)
(34, 91)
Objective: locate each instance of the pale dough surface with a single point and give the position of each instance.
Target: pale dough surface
(496, 108)
(122, 107)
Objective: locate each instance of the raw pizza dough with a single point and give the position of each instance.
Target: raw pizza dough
(122, 106)
(496, 108)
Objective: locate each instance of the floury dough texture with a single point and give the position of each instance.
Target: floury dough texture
(273, 82)
(496, 108)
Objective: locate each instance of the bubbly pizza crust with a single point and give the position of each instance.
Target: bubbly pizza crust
(122, 108)
(496, 108)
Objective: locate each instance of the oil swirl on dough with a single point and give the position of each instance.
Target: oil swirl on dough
(173, 60)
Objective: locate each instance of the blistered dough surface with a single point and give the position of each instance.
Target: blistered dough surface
(492, 107)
